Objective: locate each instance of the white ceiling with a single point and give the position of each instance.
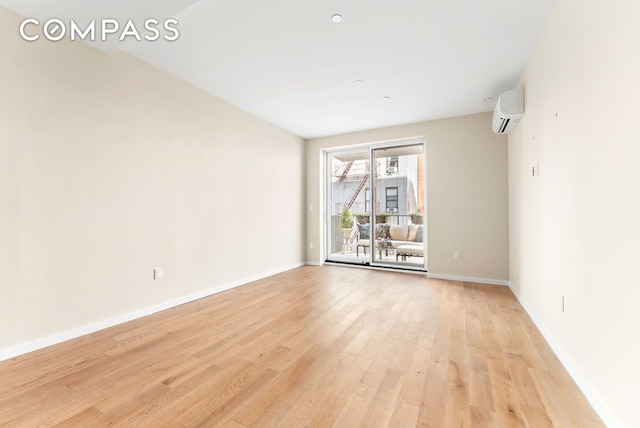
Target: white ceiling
(286, 62)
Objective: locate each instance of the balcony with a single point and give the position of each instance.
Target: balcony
(348, 251)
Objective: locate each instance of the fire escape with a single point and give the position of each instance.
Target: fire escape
(362, 180)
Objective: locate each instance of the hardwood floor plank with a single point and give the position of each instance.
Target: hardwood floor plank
(483, 418)
(416, 373)
(302, 410)
(480, 388)
(81, 419)
(431, 417)
(230, 394)
(328, 410)
(355, 410)
(383, 404)
(314, 347)
(282, 391)
(505, 397)
(405, 415)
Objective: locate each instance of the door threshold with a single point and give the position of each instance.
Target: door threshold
(415, 271)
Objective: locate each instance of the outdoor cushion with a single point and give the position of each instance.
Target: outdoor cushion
(363, 229)
(414, 250)
(413, 230)
(419, 233)
(398, 233)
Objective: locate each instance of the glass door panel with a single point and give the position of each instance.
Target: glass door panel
(348, 207)
(398, 202)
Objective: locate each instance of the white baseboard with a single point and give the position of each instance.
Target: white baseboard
(34, 345)
(592, 396)
(468, 279)
(314, 263)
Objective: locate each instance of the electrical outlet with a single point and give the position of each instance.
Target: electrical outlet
(157, 273)
(456, 254)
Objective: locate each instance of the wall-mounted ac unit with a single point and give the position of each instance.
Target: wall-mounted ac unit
(509, 110)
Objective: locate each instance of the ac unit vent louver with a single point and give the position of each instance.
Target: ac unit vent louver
(509, 110)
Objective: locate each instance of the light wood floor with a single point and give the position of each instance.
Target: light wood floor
(312, 347)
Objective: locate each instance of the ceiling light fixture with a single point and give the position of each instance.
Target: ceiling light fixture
(386, 98)
(335, 18)
(358, 82)
(486, 100)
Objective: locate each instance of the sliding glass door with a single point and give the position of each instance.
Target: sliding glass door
(376, 206)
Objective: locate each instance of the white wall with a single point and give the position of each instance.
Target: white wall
(575, 228)
(108, 168)
(466, 193)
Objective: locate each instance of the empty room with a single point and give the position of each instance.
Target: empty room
(319, 214)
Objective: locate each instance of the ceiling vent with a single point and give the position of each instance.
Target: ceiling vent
(509, 110)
